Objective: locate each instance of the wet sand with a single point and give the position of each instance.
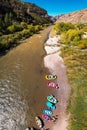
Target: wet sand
(54, 62)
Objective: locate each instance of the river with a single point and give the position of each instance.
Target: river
(23, 88)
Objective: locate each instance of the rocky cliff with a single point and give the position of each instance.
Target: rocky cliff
(22, 11)
(74, 17)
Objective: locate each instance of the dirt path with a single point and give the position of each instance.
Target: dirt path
(54, 62)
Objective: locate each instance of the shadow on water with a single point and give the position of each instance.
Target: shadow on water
(4, 52)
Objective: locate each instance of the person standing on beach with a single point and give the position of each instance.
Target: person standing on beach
(54, 118)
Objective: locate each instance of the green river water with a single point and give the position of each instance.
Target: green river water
(23, 88)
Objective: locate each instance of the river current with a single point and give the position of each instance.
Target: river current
(23, 88)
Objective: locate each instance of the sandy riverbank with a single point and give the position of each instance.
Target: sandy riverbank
(54, 62)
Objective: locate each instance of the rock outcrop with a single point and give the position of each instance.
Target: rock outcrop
(23, 11)
(74, 17)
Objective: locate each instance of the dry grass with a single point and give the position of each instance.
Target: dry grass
(76, 62)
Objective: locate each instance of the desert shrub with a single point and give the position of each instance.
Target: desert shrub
(63, 27)
(31, 28)
(37, 28)
(8, 41)
(26, 33)
(80, 26)
(11, 40)
(11, 28)
(23, 25)
(83, 44)
(72, 36)
(84, 29)
(14, 28)
(18, 35)
(45, 25)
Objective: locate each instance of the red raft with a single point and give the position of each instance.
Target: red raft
(53, 85)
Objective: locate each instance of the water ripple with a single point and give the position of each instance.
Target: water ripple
(12, 108)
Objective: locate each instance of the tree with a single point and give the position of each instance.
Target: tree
(10, 17)
(6, 19)
(1, 24)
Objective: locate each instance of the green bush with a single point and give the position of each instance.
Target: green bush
(83, 44)
(31, 28)
(63, 27)
(11, 28)
(11, 40)
(72, 36)
(24, 25)
(37, 28)
(26, 33)
(80, 26)
(14, 28)
(34, 29)
(84, 29)
(6, 43)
